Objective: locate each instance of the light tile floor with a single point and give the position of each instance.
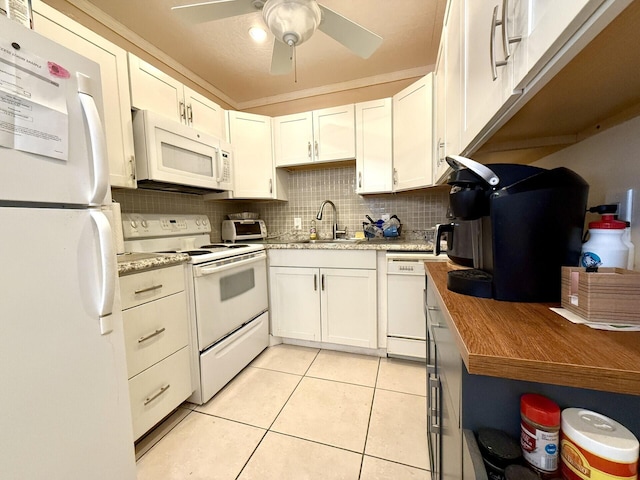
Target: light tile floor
(299, 413)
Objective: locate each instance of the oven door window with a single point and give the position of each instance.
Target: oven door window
(236, 284)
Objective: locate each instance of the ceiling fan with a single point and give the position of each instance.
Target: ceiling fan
(292, 22)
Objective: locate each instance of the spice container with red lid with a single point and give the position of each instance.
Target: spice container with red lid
(540, 433)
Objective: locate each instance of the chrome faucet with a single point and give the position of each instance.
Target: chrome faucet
(335, 230)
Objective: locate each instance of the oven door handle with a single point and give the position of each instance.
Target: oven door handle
(211, 269)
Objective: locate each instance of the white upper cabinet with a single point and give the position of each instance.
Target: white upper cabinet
(512, 48)
(448, 90)
(413, 135)
(543, 26)
(488, 74)
(255, 175)
(115, 86)
(152, 89)
(325, 135)
(374, 152)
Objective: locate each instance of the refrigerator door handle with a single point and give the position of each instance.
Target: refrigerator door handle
(108, 270)
(98, 141)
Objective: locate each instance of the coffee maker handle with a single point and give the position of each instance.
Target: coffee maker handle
(480, 170)
(440, 229)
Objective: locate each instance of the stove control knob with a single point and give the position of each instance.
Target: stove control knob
(144, 223)
(134, 224)
(204, 222)
(197, 222)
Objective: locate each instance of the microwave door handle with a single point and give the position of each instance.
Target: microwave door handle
(220, 168)
(202, 271)
(98, 141)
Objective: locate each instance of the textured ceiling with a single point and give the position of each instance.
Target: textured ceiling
(222, 53)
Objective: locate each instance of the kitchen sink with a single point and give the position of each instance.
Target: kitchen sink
(337, 240)
(322, 240)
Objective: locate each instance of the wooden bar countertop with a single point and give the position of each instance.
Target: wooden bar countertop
(527, 341)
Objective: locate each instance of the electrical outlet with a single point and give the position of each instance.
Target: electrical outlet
(624, 199)
(297, 223)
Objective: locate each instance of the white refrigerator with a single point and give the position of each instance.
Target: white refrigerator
(64, 397)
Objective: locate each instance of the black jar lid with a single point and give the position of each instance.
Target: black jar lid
(519, 472)
(498, 447)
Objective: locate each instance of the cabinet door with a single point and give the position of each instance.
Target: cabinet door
(115, 86)
(204, 114)
(152, 89)
(544, 26)
(487, 86)
(252, 155)
(293, 139)
(374, 155)
(334, 134)
(295, 302)
(451, 438)
(439, 106)
(349, 307)
(413, 135)
(448, 90)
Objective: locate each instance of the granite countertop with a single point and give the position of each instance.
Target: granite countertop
(399, 244)
(528, 341)
(137, 262)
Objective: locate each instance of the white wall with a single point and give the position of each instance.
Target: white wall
(609, 162)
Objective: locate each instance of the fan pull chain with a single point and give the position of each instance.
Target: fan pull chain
(295, 66)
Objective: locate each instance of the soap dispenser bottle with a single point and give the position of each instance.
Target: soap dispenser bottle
(312, 231)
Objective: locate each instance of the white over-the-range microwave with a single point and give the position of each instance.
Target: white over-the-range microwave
(176, 157)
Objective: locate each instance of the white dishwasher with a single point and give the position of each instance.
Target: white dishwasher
(406, 326)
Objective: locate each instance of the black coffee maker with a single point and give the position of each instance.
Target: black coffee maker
(525, 222)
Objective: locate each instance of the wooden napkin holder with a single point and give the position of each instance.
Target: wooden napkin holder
(609, 295)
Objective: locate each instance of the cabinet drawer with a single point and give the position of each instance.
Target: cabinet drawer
(146, 286)
(154, 330)
(158, 390)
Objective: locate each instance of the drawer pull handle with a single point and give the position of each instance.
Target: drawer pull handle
(157, 394)
(150, 289)
(433, 308)
(151, 335)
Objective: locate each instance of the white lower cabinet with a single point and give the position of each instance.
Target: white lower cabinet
(328, 298)
(156, 332)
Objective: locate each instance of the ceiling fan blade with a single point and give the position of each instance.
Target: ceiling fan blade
(358, 39)
(282, 59)
(214, 10)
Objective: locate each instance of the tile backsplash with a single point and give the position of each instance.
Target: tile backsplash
(418, 211)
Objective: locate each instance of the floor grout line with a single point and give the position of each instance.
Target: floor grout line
(268, 429)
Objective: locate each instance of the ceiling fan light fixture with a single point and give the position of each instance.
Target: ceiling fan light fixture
(292, 21)
(258, 34)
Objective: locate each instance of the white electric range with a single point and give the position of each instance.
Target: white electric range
(227, 291)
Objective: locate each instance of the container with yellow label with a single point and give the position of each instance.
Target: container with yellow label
(596, 447)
